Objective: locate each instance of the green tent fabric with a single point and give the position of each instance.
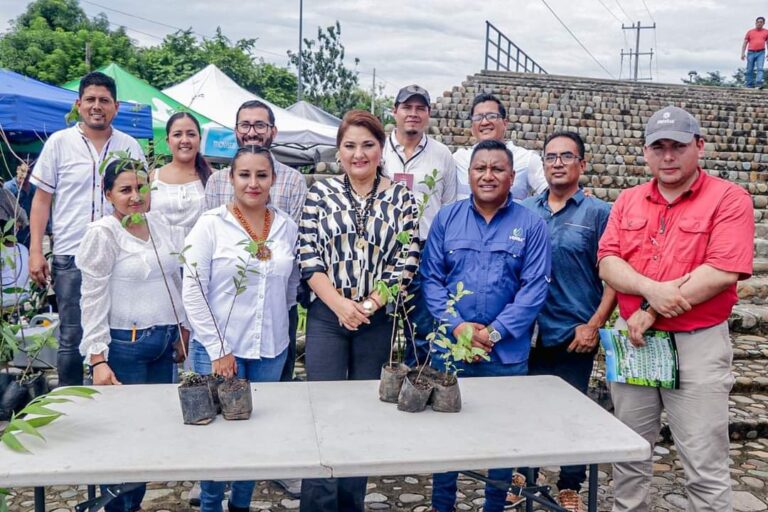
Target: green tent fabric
(132, 88)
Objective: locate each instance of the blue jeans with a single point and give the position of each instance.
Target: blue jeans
(66, 285)
(444, 484)
(148, 360)
(575, 369)
(755, 62)
(254, 370)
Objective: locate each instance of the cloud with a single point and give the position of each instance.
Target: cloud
(438, 43)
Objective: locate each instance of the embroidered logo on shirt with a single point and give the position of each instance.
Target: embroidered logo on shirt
(517, 235)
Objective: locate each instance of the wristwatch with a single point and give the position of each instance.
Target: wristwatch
(645, 305)
(493, 335)
(369, 306)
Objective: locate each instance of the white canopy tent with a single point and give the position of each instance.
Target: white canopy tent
(313, 113)
(212, 93)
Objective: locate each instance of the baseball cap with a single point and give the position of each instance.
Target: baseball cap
(409, 91)
(671, 123)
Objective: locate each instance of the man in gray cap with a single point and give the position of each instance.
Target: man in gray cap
(673, 250)
(410, 157)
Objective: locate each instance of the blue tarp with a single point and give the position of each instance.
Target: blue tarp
(30, 109)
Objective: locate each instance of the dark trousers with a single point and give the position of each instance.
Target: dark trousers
(66, 285)
(419, 325)
(575, 369)
(290, 361)
(336, 353)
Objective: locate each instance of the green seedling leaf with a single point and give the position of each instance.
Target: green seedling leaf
(41, 410)
(41, 421)
(13, 443)
(24, 426)
(78, 391)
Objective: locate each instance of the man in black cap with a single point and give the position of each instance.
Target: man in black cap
(410, 156)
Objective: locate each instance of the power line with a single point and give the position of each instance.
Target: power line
(134, 16)
(622, 10)
(609, 11)
(648, 11)
(577, 39)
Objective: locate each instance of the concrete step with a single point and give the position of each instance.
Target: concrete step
(754, 289)
(749, 318)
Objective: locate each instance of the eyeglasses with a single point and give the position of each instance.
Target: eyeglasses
(567, 158)
(490, 116)
(258, 127)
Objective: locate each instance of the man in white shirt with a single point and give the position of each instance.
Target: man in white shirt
(68, 171)
(489, 121)
(409, 157)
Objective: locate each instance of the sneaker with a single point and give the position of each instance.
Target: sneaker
(194, 495)
(514, 501)
(291, 486)
(570, 500)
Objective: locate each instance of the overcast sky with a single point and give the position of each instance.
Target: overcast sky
(437, 43)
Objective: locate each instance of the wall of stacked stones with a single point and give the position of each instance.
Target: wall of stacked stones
(610, 115)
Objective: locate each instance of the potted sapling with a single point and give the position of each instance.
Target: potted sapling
(446, 395)
(232, 395)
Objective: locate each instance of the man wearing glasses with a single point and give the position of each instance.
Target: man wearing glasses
(577, 304)
(489, 122)
(255, 125)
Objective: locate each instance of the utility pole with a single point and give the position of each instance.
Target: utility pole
(373, 93)
(87, 57)
(637, 27)
(301, 36)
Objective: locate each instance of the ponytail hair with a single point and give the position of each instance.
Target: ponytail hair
(202, 168)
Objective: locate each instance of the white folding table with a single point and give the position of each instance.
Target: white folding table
(321, 429)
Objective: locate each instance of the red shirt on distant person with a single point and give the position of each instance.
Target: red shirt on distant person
(711, 224)
(756, 39)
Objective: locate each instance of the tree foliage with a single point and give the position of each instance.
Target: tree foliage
(326, 80)
(715, 79)
(48, 42)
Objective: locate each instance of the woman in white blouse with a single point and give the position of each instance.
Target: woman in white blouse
(243, 334)
(178, 189)
(131, 294)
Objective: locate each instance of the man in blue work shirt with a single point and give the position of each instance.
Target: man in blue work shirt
(578, 304)
(499, 250)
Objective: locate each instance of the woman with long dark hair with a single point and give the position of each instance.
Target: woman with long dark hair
(178, 188)
(349, 241)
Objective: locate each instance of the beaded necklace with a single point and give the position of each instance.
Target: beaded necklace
(263, 253)
(361, 212)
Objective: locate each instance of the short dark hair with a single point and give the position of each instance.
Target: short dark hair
(482, 98)
(575, 137)
(760, 18)
(493, 145)
(98, 78)
(252, 149)
(256, 104)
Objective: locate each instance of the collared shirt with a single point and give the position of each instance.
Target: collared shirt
(576, 289)
(529, 172)
(68, 168)
(756, 39)
(288, 192)
(354, 262)
(126, 281)
(504, 263)
(253, 323)
(428, 156)
(710, 224)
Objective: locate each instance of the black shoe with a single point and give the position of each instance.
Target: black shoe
(233, 508)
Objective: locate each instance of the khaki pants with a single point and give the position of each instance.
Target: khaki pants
(698, 419)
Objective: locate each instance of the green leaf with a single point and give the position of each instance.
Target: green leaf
(13, 443)
(41, 421)
(25, 427)
(78, 391)
(35, 408)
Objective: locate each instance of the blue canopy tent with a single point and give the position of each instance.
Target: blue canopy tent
(31, 110)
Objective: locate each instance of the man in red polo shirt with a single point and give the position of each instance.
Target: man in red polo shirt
(674, 249)
(753, 51)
